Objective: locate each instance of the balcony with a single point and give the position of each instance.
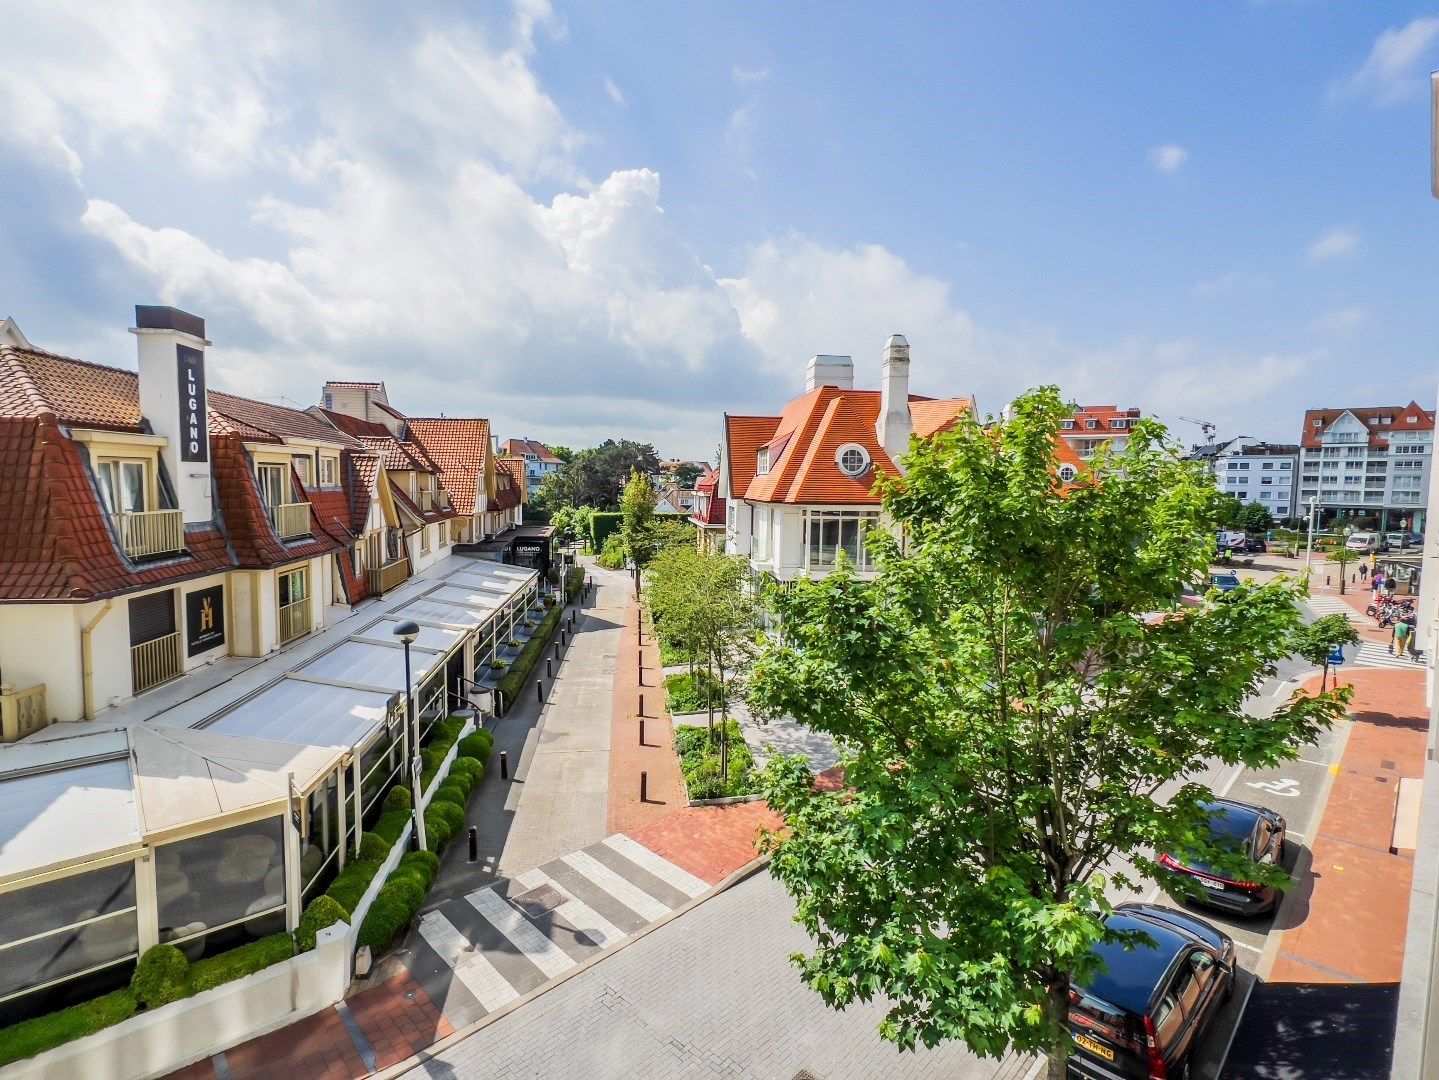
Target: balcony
(151, 532)
(155, 662)
(384, 578)
(21, 711)
(427, 501)
(291, 520)
(294, 620)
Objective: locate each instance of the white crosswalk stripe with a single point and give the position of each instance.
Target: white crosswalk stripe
(1330, 605)
(479, 976)
(663, 869)
(522, 934)
(1374, 655)
(630, 895)
(578, 914)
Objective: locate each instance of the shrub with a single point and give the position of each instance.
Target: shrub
(699, 753)
(388, 915)
(511, 683)
(446, 731)
(350, 885)
(399, 798)
(692, 693)
(161, 976)
(374, 848)
(31, 1037)
(514, 643)
(391, 824)
(613, 555)
(468, 771)
(322, 911)
(477, 746)
(454, 790)
(499, 664)
(426, 861)
(530, 624)
(237, 963)
(406, 886)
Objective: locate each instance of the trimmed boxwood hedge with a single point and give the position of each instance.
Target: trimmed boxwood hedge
(512, 681)
(322, 911)
(477, 745)
(237, 963)
(161, 976)
(399, 798)
(31, 1037)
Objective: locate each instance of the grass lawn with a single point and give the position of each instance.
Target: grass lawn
(699, 753)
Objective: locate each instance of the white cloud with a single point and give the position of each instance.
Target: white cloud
(1397, 63)
(616, 94)
(1234, 281)
(1337, 242)
(749, 76)
(1168, 158)
(1340, 321)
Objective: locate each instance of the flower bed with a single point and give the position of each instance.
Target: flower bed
(699, 753)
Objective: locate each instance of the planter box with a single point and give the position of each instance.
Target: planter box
(728, 800)
(162, 1040)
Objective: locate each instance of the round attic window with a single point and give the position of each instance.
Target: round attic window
(852, 459)
(1067, 473)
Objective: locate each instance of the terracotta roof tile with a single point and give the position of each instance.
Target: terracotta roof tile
(458, 447)
(520, 447)
(744, 435)
(276, 420)
(77, 393)
(1379, 431)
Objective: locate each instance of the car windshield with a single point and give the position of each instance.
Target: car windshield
(1230, 827)
(1225, 579)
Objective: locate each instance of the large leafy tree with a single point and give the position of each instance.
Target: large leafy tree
(1255, 518)
(1020, 702)
(637, 522)
(596, 477)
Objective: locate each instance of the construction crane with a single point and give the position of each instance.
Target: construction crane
(1206, 426)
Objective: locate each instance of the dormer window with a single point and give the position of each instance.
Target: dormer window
(852, 459)
(1411, 419)
(1091, 424)
(329, 471)
(761, 462)
(122, 485)
(1067, 425)
(305, 468)
(1119, 423)
(1318, 422)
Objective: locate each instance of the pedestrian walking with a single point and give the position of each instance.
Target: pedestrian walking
(1363, 570)
(1391, 584)
(1376, 582)
(1399, 639)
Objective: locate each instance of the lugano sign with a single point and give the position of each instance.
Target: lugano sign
(194, 433)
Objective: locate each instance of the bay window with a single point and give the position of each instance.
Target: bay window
(833, 531)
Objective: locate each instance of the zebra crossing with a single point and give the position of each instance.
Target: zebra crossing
(498, 943)
(1373, 654)
(1330, 605)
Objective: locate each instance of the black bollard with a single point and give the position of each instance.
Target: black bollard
(644, 787)
(640, 669)
(474, 844)
(504, 765)
(642, 704)
(549, 672)
(539, 691)
(642, 730)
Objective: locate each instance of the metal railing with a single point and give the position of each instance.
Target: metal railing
(384, 578)
(154, 662)
(21, 711)
(290, 519)
(294, 620)
(150, 532)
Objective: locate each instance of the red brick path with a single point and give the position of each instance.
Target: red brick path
(316, 1048)
(398, 1019)
(1352, 927)
(710, 842)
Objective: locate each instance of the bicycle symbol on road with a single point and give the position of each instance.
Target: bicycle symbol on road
(1288, 788)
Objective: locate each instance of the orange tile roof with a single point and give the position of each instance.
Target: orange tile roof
(744, 435)
(34, 383)
(458, 447)
(521, 447)
(515, 465)
(277, 420)
(809, 433)
(1397, 415)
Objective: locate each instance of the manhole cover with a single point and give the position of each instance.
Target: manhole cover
(538, 901)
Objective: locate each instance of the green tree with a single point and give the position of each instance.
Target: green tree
(1008, 712)
(1341, 557)
(1229, 512)
(596, 477)
(637, 504)
(1255, 518)
(1315, 641)
(687, 473)
(564, 453)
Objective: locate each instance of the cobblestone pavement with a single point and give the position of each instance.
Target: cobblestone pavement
(709, 995)
(784, 735)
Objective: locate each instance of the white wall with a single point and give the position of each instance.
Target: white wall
(40, 643)
(789, 541)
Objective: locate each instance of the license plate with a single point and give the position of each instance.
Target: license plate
(1096, 1048)
(1216, 886)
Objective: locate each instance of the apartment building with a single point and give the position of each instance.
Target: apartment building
(1254, 471)
(1093, 426)
(797, 487)
(1367, 463)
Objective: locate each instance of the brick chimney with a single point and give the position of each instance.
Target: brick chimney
(172, 398)
(829, 371)
(894, 426)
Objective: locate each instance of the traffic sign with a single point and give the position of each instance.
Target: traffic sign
(1336, 657)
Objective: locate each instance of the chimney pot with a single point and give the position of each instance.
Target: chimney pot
(825, 370)
(894, 425)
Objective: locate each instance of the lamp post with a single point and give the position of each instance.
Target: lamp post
(407, 631)
(1309, 547)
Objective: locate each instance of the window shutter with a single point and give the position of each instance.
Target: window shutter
(152, 617)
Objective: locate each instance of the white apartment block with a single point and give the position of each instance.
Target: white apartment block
(1368, 462)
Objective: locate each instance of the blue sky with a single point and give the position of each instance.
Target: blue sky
(616, 218)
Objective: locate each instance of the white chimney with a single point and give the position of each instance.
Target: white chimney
(894, 425)
(829, 371)
(172, 398)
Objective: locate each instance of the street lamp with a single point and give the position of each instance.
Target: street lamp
(1309, 548)
(407, 631)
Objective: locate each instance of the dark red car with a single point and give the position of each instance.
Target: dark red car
(1243, 828)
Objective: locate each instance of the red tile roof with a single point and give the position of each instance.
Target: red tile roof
(1374, 420)
(515, 466)
(520, 447)
(252, 537)
(805, 443)
(709, 504)
(277, 420)
(744, 435)
(458, 447)
(361, 471)
(76, 393)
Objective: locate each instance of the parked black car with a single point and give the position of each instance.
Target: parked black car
(1255, 545)
(1141, 1017)
(1255, 831)
(1224, 581)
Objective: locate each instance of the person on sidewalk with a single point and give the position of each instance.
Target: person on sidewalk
(1411, 620)
(1363, 570)
(1399, 637)
(1376, 582)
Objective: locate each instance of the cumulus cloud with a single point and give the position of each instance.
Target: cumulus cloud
(1397, 63)
(1168, 158)
(1339, 321)
(1337, 242)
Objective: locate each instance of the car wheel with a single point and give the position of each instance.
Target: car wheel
(1283, 851)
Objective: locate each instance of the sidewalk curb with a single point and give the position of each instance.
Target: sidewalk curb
(1276, 938)
(744, 873)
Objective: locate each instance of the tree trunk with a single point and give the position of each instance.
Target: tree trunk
(1343, 577)
(1057, 1006)
(1324, 677)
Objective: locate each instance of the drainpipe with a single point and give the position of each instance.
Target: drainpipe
(87, 663)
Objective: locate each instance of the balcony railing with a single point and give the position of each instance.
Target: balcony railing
(294, 620)
(21, 711)
(427, 501)
(290, 519)
(150, 532)
(384, 578)
(155, 662)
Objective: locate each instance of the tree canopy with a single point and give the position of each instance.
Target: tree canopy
(595, 477)
(1015, 696)
(1315, 641)
(686, 473)
(637, 505)
(1255, 518)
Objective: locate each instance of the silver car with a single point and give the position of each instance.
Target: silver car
(1397, 541)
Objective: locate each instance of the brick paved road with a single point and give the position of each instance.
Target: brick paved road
(711, 994)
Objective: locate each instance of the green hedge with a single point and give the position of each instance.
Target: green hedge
(692, 693)
(477, 745)
(350, 885)
(602, 523)
(322, 911)
(399, 899)
(514, 679)
(576, 582)
(31, 1037)
(699, 753)
(237, 963)
(399, 798)
(161, 976)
